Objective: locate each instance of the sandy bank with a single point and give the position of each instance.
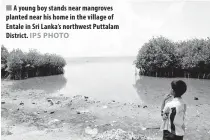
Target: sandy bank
(34, 114)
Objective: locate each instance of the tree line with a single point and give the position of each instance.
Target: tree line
(21, 65)
(161, 57)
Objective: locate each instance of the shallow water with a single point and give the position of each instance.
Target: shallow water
(113, 79)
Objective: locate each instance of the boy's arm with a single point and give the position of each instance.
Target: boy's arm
(164, 103)
(164, 108)
(165, 112)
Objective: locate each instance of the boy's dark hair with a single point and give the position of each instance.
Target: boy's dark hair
(179, 87)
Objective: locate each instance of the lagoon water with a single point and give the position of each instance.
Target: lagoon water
(113, 79)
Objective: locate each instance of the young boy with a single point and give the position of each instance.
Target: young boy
(173, 112)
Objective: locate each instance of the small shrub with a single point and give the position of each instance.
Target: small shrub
(4, 55)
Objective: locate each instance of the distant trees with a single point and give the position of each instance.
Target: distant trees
(20, 65)
(162, 57)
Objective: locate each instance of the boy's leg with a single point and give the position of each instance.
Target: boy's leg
(179, 138)
(169, 136)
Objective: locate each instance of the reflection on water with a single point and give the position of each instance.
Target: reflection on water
(152, 90)
(48, 84)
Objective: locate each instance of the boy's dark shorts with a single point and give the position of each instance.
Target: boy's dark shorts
(169, 136)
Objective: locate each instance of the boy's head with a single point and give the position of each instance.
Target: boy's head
(179, 87)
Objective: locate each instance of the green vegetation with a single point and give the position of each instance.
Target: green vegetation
(20, 65)
(161, 57)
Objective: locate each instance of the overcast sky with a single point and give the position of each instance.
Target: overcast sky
(139, 20)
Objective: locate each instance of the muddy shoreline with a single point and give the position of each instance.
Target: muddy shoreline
(34, 114)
